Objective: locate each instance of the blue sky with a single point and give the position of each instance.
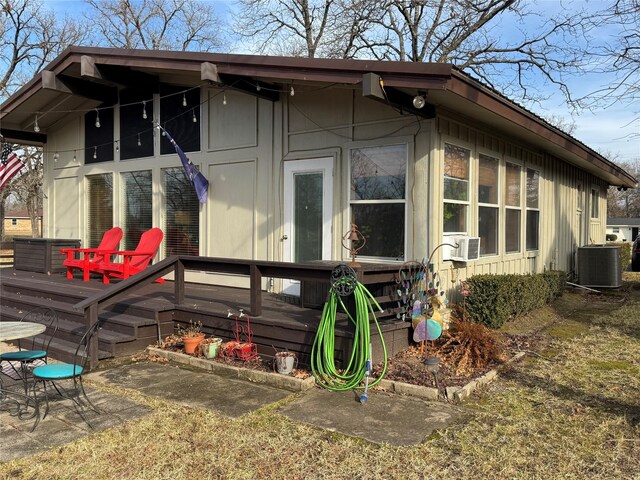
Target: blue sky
(607, 130)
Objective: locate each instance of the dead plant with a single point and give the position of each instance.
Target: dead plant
(469, 346)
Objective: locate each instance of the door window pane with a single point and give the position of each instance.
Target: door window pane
(100, 191)
(307, 217)
(594, 203)
(137, 206)
(182, 214)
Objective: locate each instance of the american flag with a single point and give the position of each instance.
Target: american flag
(10, 165)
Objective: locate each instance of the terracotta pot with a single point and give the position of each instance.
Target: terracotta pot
(192, 343)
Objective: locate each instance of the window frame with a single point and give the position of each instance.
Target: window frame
(469, 180)
(396, 142)
(531, 209)
(508, 208)
(496, 206)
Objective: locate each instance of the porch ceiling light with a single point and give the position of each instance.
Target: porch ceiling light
(419, 101)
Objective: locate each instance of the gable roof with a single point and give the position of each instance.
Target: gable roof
(623, 222)
(86, 77)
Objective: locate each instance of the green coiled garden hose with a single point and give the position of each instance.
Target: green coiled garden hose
(322, 353)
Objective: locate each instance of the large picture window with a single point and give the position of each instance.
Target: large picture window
(179, 106)
(377, 197)
(136, 132)
(182, 214)
(513, 213)
(456, 188)
(488, 207)
(137, 206)
(98, 135)
(533, 209)
(100, 193)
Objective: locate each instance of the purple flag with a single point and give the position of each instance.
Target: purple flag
(198, 180)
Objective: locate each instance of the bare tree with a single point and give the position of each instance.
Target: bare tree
(156, 24)
(625, 202)
(31, 36)
(470, 34)
(619, 56)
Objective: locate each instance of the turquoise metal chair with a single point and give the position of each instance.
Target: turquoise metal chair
(56, 372)
(32, 349)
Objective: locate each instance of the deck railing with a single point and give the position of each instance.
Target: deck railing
(254, 269)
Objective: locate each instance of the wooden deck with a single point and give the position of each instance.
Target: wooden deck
(152, 311)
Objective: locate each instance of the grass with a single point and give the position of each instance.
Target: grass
(573, 414)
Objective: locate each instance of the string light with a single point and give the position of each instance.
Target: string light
(184, 99)
(144, 110)
(74, 156)
(55, 157)
(224, 99)
(195, 120)
(117, 146)
(139, 142)
(97, 118)
(36, 128)
(258, 87)
(292, 92)
(95, 152)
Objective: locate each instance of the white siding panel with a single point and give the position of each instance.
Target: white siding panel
(66, 207)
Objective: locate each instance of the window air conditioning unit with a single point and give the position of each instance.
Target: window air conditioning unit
(468, 248)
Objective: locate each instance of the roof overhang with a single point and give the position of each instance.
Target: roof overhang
(82, 78)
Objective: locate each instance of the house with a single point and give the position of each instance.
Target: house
(625, 229)
(421, 157)
(17, 223)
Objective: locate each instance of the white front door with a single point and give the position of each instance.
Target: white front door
(308, 213)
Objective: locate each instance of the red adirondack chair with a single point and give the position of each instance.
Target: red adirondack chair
(87, 258)
(133, 261)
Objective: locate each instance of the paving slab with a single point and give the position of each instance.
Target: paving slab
(384, 418)
(195, 388)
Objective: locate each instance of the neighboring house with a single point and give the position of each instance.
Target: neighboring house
(626, 229)
(17, 223)
(298, 149)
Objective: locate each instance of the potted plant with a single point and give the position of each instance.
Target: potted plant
(192, 337)
(210, 346)
(285, 362)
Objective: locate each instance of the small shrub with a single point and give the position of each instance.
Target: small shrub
(494, 299)
(625, 253)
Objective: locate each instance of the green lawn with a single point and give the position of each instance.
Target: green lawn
(570, 409)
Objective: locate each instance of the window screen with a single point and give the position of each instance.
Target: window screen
(178, 107)
(137, 206)
(100, 211)
(136, 132)
(182, 214)
(98, 140)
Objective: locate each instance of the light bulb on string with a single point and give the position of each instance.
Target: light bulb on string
(97, 118)
(292, 92)
(144, 110)
(184, 99)
(74, 156)
(117, 146)
(56, 156)
(258, 87)
(95, 152)
(224, 99)
(139, 142)
(36, 127)
(195, 120)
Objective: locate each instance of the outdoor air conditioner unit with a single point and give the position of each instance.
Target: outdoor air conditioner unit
(468, 248)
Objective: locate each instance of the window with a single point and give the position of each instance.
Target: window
(182, 214)
(98, 140)
(595, 198)
(377, 198)
(533, 209)
(488, 209)
(14, 221)
(456, 188)
(136, 132)
(100, 192)
(512, 207)
(178, 107)
(137, 206)
(615, 229)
